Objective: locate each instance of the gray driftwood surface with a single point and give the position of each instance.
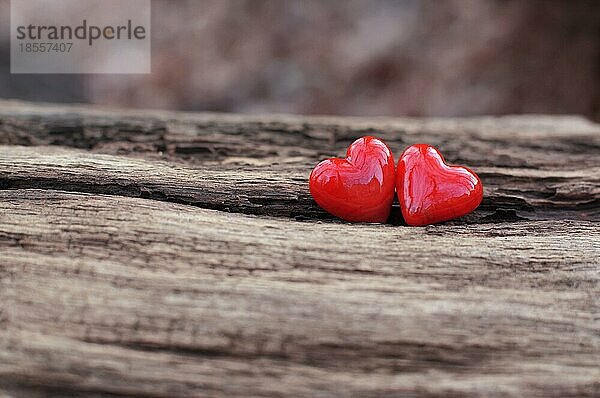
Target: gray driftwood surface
(156, 254)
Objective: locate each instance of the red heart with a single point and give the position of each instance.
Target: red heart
(430, 191)
(360, 187)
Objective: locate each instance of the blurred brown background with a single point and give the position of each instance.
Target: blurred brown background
(359, 57)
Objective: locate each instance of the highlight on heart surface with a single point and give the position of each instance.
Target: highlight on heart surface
(360, 188)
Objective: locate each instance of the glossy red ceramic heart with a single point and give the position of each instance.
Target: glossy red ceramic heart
(360, 187)
(430, 191)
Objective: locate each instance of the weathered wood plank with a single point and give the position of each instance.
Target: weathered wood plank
(532, 167)
(509, 141)
(104, 291)
(117, 278)
(282, 189)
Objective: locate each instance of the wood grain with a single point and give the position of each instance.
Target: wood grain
(158, 254)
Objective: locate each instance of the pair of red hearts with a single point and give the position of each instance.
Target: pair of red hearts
(361, 187)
